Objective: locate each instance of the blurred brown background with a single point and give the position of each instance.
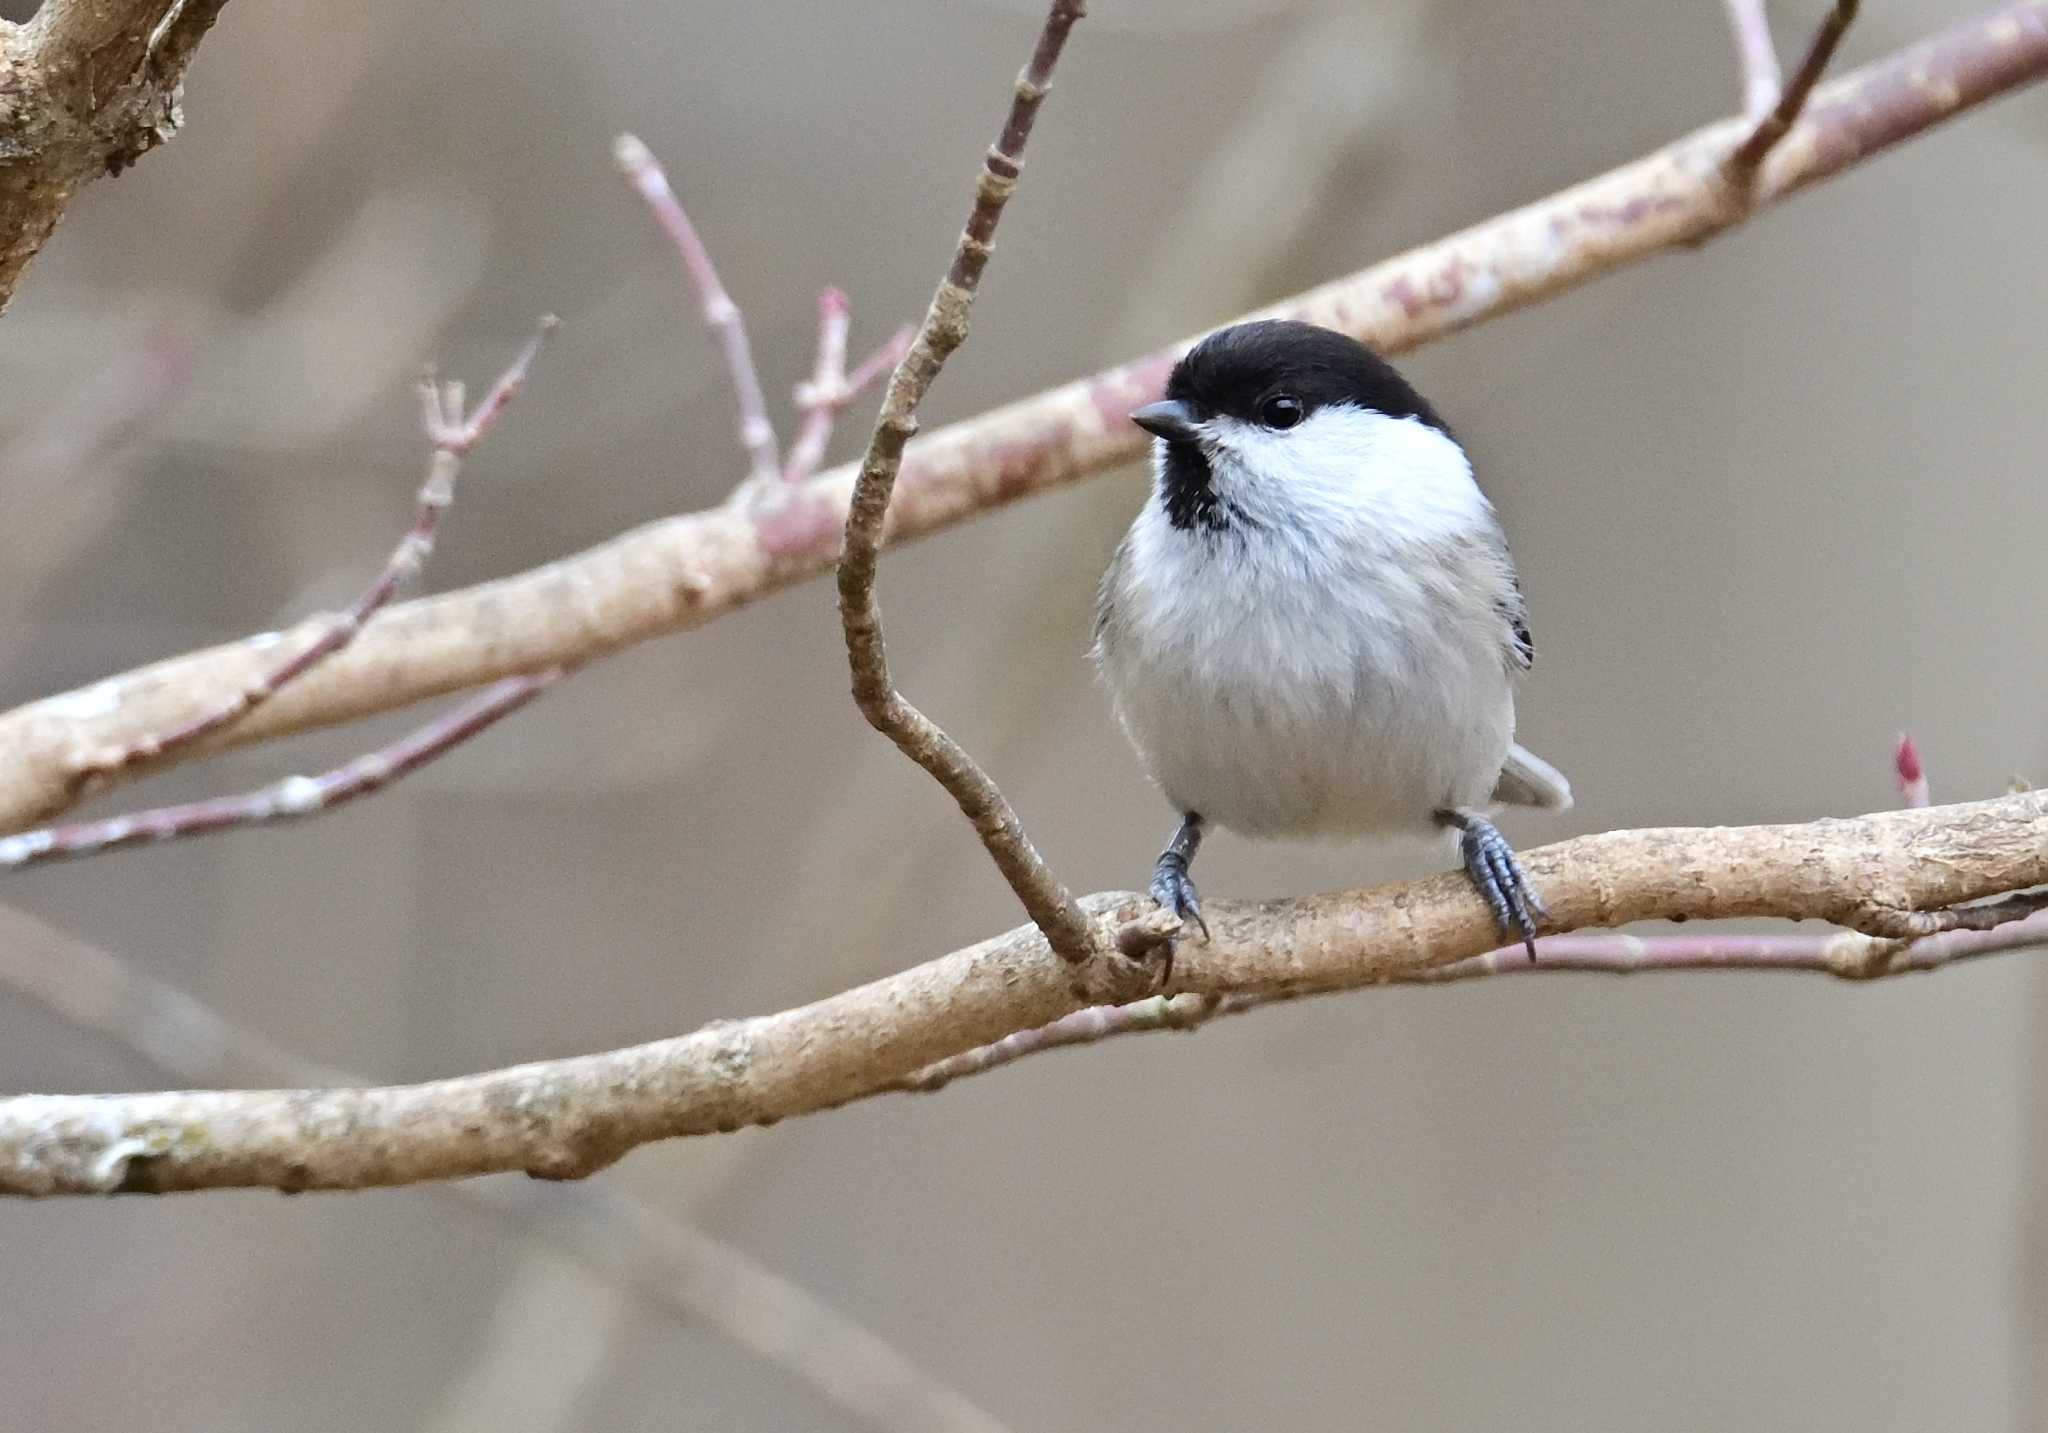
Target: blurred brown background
(1773, 502)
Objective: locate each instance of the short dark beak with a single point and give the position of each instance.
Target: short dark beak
(1170, 419)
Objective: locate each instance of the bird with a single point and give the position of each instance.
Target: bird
(1313, 627)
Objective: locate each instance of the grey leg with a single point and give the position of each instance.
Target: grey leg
(1491, 864)
(1171, 885)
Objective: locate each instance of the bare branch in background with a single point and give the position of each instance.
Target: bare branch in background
(67, 472)
(831, 387)
(294, 798)
(1777, 122)
(681, 572)
(721, 315)
(1757, 55)
(819, 401)
(1845, 954)
(674, 1268)
(1051, 907)
(90, 87)
(451, 433)
(1893, 875)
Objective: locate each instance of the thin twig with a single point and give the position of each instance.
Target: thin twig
(1743, 162)
(1891, 874)
(1845, 954)
(1757, 55)
(292, 799)
(451, 436)
(677, 1269)
(685, 571)
(1051, 907)
(721, 314)
(831, 388)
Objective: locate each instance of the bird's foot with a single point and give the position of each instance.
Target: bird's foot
(1490, 862)
(1175, 891)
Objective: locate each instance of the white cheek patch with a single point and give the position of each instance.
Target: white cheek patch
(1405, 478)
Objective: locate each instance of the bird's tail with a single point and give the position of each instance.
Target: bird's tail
(1526, 779)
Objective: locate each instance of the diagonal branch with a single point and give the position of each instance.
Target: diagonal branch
(294, 798)
(1848, 955)
(450, 436)
(87, 87)
(1893, 875)
(684, 571)
(721, 315)
(1052, 909)
(1777, 122)
(676, 1268)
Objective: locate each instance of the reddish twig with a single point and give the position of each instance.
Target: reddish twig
(721, 314)
(831, 387)
(1774, 125)
(1757, 54)
(685, 571)
(291, 799)
(452, 435)
(1844, 954)
(1912, 776)
(1052, 909)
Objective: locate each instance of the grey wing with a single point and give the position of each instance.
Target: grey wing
(1526, 779)
(1518, 650)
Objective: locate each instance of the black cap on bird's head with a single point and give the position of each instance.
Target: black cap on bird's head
(1275, 373)
(1269, 375)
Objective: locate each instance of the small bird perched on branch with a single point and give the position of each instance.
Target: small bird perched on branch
(1313, 627)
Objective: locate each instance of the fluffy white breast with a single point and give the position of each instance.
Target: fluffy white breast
(1329, 658)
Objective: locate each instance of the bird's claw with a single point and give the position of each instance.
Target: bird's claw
(1492, 865)
(1175, 891)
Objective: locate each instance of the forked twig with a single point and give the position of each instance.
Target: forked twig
(1779, 119)
(451, 435)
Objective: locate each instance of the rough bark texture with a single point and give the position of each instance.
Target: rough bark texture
(1887, 874)
(680, 572)
(87, 87)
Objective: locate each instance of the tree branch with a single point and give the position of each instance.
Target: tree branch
(676, 1268)
(721, 315)
(1848, 955)
(683, 571)
(1072, 934)
(86, 87)
(1892, 875)
(451, 434)
(1778, 120)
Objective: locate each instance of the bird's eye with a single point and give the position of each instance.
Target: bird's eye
(1282, 410)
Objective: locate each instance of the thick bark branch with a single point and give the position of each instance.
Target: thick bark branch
(683, 571)
(87, 87)
(1887, 874)
(676, 1268)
